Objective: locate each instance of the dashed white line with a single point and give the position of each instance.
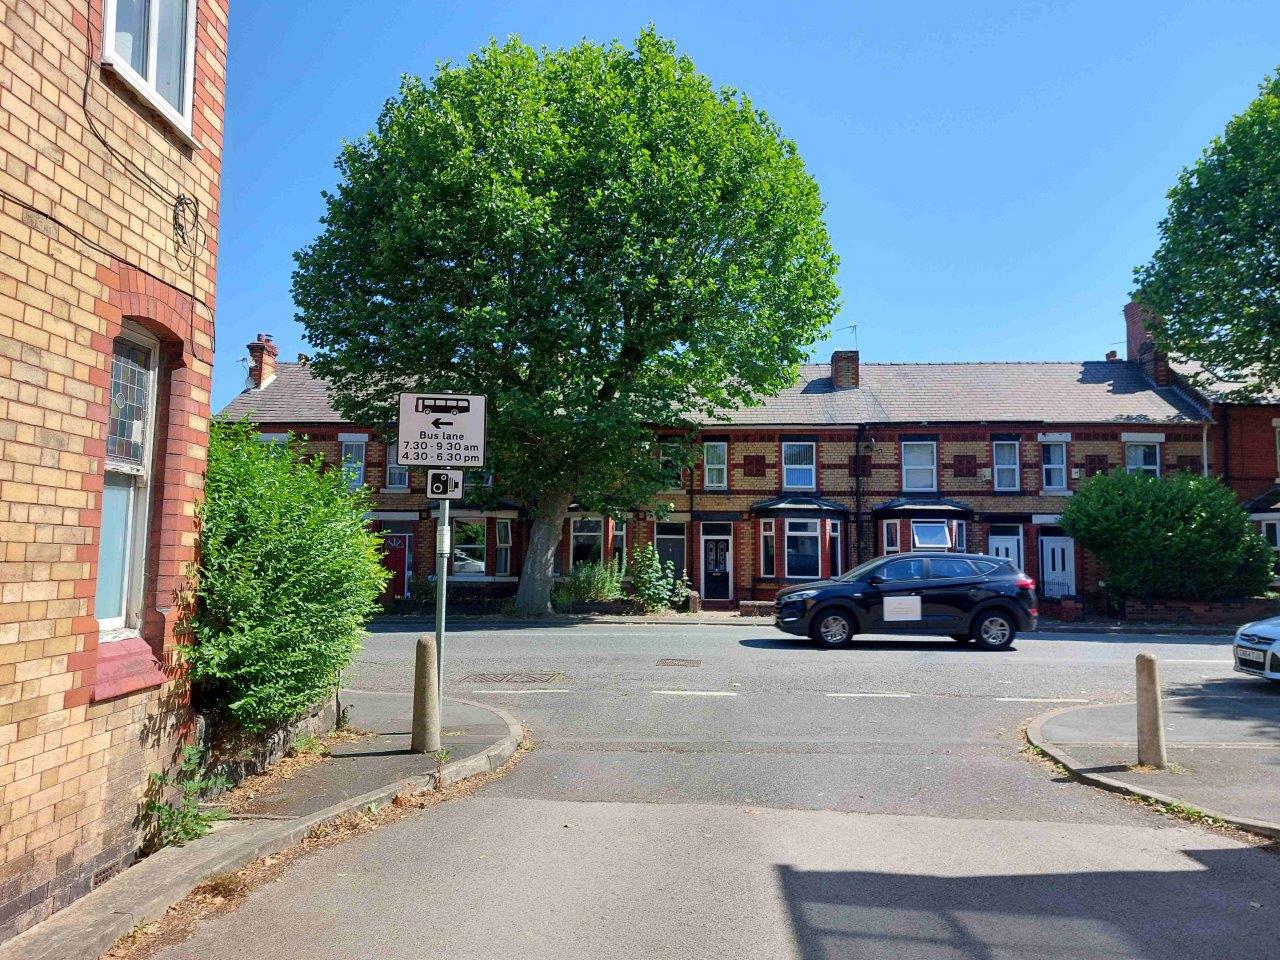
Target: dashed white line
(893, 696)
(531, 690)
(696, 693)
(1039, 700)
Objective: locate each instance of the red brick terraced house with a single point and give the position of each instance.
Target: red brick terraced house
(111, 116)
(854, 461)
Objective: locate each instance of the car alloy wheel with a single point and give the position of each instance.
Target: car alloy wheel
(834, 630)
(994, 631)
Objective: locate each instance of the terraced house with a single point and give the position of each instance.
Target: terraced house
(111, 134)
(853, 461)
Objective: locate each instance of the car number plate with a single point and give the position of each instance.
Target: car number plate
(1253, 656)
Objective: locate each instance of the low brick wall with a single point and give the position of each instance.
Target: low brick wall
(237, 757)
(1199, 611)
(755, 608)
(1064, 609)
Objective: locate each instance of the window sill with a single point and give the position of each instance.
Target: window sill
(394, 490)
(172, 119)
(126, 664)
(1056, 493)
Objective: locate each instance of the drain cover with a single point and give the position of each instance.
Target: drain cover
(513, 677)
(677, 662)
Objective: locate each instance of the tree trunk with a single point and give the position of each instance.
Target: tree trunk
(533, 597)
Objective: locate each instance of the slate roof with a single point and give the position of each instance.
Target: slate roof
(1102, 391)
(1266, 502)
(1218, 391)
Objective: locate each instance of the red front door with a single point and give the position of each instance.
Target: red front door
(396, 558)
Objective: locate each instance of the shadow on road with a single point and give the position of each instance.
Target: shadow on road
(1222, 908)
(888, 643)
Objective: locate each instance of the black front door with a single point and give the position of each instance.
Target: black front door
(715, 568)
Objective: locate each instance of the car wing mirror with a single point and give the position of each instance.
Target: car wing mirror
(875, 579)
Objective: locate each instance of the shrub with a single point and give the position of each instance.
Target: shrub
(1179, 536)
(175, 822)
(655, 583)
(288, 574)
(599, 581)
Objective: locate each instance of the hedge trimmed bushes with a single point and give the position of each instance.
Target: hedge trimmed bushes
(1179, 536)
(289, 573)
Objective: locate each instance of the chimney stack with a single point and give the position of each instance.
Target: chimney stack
(262, 362)
(844, 369)
(1138, 321)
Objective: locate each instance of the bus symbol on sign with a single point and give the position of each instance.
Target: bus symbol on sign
(454, 405)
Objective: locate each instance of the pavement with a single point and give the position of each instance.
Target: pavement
(361, 772)
(723, 791)
(1223, 751)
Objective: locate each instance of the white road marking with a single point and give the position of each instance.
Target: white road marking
(1039, 700)
(696, 693)
(896, 696)
(516, 690)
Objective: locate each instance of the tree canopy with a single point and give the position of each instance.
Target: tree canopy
(1215, 279)
(596, 237)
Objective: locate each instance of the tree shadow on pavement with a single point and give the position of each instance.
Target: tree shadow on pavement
(1253, 703)
(1203, 912)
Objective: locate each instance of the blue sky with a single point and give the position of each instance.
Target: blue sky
(992, 170)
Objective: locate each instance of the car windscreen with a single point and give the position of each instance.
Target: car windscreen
(861, 571)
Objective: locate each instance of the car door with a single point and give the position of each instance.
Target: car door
(954, 587)
(895, 602)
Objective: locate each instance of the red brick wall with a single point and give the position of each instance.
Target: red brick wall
(87, 244)
(1250, 440)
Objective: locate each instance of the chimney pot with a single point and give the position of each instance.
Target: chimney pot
(1112, 355)
(844, 369)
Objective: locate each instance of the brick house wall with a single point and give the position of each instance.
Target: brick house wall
(1246, 437)
(87, 203)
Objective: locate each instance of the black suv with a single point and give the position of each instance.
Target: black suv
(966, 596)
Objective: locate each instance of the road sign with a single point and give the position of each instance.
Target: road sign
(441, 430)
(444, 484)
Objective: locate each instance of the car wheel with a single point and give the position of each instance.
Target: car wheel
(993, 630)
(833, 629)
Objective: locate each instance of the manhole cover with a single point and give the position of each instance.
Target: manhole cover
(513, 677)
(677, 662)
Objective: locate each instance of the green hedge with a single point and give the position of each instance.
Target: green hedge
(1179, 536)
(289, 573)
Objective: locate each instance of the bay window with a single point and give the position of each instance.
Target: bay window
(768, 563)
(469, 538)
(502, 548)
(919, 466)
(587, 542)
(802, 548)
(889, 536)
(930, 535)
(620, 543)
(835, 548)
(126, 491)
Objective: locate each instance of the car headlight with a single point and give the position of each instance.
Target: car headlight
(802, 595)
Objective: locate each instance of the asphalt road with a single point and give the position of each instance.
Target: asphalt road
(766, 799)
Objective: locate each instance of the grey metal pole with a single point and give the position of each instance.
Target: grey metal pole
(1151, 746)
(444, 546)
(426, 697)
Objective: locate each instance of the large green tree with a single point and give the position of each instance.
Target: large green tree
(1216, 277)
(595, 237)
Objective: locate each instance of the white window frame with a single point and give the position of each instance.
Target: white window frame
(786, 555)
(1278, 451)
(996, 467)
(834, 533)
(620, 537)
(767, 533)
(683, 537)
(1131, 445)
(889, 530)
(812, 466)
(392, 465)
(119, 64)
(574, 533)
(355, 479)
(715, 476)
(946, 528)
(1046, 466)
(502, 548)
(454, 546)
(273, 438)
(133, 577)
(933, 468)
(960, 536)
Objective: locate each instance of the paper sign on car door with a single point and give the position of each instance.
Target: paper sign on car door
(901, 608)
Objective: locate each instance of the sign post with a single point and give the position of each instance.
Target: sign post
(446, 432)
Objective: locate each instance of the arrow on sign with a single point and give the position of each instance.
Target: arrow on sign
(438, 423)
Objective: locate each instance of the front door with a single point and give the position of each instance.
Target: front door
(1057, 566)
(715, 568)
(395, 557)
(1010, 548)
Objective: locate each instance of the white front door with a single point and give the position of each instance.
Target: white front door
(1010, 548)
(1057, 566)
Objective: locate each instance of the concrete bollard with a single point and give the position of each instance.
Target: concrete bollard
(1151, 748)
(426, 697)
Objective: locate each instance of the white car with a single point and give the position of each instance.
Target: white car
(1257, 649)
